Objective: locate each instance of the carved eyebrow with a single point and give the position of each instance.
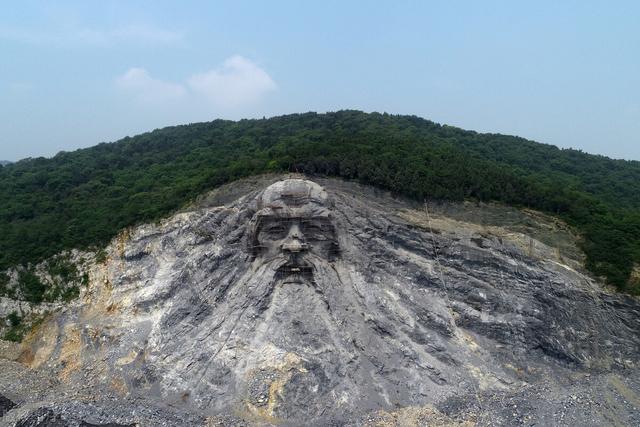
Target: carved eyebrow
(266, 223)
(318, 224)
(322, 219)
(273, 226)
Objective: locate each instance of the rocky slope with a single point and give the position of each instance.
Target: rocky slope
(328, 303)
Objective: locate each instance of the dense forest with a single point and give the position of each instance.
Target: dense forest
(83, 198)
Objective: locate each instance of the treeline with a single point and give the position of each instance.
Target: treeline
(84, 198)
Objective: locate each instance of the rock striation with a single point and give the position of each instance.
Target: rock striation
(286, 301)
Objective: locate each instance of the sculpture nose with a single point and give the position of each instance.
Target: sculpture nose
(294, 242)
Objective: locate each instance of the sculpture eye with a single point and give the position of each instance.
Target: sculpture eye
(317, 231)
(275, 229)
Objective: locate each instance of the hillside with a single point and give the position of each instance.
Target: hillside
(278, 300)
(83, 198)
(4, 162)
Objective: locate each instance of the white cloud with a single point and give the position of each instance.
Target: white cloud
(236, 84)
(148, 90)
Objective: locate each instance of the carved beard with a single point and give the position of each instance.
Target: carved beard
(260, 308)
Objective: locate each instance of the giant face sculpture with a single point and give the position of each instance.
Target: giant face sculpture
(293, 229)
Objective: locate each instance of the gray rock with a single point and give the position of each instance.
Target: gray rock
(295, 303)
(42, 418)
(5, 405)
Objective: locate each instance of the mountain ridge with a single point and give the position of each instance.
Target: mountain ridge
(83, 198)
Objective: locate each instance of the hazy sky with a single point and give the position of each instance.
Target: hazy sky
(74, 74)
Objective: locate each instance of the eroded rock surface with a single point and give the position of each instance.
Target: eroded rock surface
(328, 303)
(5, 405)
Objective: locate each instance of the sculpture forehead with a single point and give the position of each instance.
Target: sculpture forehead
(293, 198)
(292, 192)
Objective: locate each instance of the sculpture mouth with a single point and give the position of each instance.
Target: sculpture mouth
(294, 272)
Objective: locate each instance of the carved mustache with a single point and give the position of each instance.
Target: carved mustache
(296, 263)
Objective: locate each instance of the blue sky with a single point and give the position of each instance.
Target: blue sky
(74, 74)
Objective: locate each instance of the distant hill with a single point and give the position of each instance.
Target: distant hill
(4, 162)
(83, 198)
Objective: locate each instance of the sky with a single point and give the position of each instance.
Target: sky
(77, 73)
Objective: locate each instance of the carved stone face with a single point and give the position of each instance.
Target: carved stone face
(293, 225)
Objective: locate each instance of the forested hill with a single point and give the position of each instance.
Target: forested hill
(83, 198)
(4, 162)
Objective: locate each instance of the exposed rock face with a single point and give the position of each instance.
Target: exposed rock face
(5, 405)
(301, 303)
